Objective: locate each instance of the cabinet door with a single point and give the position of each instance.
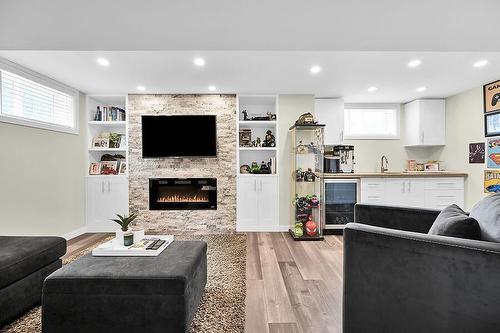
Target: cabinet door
(97, 209)
(395, 192)
(268, 203)
(106, 197)
(439, 199)
(247, 204)
(118, 196)
(433, 122)
(331, 111)
(415, 193)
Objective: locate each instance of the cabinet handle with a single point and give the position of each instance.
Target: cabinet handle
(404, 187)
(341, 136)
(109, 186)
(409, 186)
(422, 138)
(255, 185)
(102, 186)
(445, 196)
(261, 185)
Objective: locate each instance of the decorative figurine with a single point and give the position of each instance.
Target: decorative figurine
(269, 140)
(299, 229)
(309, 175)
(258, 143)
(311, 227)
(301, 148)
(271, 116)
(244, 168)
(245, 137)
(245, 115)
(253, 144)
(312, 148)
(254, 168)
(265, 168)
(299, 175)
(306, 119)
(313, 200)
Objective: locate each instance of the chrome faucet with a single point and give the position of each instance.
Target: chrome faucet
(382, 169)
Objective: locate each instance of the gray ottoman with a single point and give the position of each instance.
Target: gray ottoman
(127, 294)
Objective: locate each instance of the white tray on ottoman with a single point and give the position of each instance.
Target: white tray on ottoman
(114, 249)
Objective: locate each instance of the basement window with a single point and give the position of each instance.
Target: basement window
(371, 121)
(29, 99)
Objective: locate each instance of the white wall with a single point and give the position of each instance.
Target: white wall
(290, 108)
(42, 179)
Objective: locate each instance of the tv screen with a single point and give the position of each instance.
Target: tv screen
(179, 136)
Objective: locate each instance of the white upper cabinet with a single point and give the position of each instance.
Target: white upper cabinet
(425, 123)
(330, 111)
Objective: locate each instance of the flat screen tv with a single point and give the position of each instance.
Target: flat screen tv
(179, 136)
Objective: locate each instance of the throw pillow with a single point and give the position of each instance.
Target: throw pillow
(454, 222)
(487, 214)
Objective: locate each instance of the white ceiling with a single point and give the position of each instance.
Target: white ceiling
(314, 25)
(344, 74)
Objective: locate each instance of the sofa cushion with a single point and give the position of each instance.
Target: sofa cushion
(487, 214)
(21, 256)
(454, 222)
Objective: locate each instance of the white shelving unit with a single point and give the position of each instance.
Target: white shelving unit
(257, 194)
(106, 195)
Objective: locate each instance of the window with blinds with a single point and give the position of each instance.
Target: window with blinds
(30, 103)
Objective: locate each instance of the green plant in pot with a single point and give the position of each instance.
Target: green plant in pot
(125, 233)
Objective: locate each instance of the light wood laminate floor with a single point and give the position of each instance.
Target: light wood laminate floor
(291, 286)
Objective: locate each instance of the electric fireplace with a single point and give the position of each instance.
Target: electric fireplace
(182, 193)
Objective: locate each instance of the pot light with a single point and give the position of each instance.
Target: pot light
(414, 63)
(315, 69)
(200, 62)
(481, 63)
(103, 62)
(421, 89)
(141, 88)
(212, 88)
(372, 89)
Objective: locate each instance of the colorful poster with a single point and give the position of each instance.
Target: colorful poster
(493, 153)
(491, 181)
(491, 94)
(476, 152)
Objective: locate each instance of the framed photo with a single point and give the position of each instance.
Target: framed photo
(123, 168)
(491, 95)
(492, 124)
(100, 143)
(431, 166)
(95, 169)
(476, 152)
(493, 153)
(491, 181)
(109, 167)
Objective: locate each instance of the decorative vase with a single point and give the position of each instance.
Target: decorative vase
(138, 235)
(119, 236)
(128, 238)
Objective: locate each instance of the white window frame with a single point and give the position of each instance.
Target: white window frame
(48, 82)
(397, 107)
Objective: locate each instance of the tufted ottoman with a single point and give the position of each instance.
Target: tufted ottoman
(127, 294)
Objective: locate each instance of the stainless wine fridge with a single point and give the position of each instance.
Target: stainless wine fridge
(340, 197)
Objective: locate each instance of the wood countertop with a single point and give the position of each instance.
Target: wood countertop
(427, 174)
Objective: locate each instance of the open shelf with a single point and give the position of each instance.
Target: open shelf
(257, 123)
(108, 123)
(108, 149)
(257, 148)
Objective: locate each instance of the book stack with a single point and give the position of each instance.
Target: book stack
(109, 113)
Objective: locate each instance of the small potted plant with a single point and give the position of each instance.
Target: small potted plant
(124, 235)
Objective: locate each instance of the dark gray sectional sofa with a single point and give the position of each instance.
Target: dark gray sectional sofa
(398, 278)
(25, 262)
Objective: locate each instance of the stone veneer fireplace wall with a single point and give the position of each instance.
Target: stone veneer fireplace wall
(223, 167)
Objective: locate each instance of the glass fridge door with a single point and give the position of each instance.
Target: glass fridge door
(340, 198)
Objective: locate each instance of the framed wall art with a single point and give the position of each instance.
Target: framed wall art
(491, 181)
(493, 153)
(491, 95)
(476, 152)
(492, 124)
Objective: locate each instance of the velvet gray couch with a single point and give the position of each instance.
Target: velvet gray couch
(399, 279)
(25, 262)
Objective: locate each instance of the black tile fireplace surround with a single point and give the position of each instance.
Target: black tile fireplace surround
(182, 193)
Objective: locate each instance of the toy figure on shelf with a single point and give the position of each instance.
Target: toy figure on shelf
(272, 116)
(265, 168)
(299, 229)
(299, 175)
(309, 175)
(254, 168)
(245, 115)
(313, 200)
(306, 119)
(301, 148)
(312, 148)
(258, 142)
(269, 140)
(311, 227)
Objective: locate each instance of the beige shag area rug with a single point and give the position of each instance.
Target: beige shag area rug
(222, 307)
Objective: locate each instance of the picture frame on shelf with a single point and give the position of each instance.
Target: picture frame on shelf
(95, 169)
(492, 124)
(493, 153)
(100, 143)
(431, 166)
(491, 96)
(123, 168)
(109, 167)
(476, 153)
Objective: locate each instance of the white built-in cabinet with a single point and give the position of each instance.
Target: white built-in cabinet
(425, 123)
(106, 197)
(257, 203)
(431, 193)
(330, 111)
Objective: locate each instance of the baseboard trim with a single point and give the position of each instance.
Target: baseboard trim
(277, 228)
(101, 229)
(75, 233)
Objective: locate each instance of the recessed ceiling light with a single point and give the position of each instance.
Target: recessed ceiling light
(200, 62)
(141, 88)
(372, 89)
(315, 69)
(103, 62)
(212, 88)
(414, 63)
(481, 63)
(421, 89)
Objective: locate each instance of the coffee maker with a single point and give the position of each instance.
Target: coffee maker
(339, 159)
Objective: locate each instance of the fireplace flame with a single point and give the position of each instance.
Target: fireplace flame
(183, 198)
